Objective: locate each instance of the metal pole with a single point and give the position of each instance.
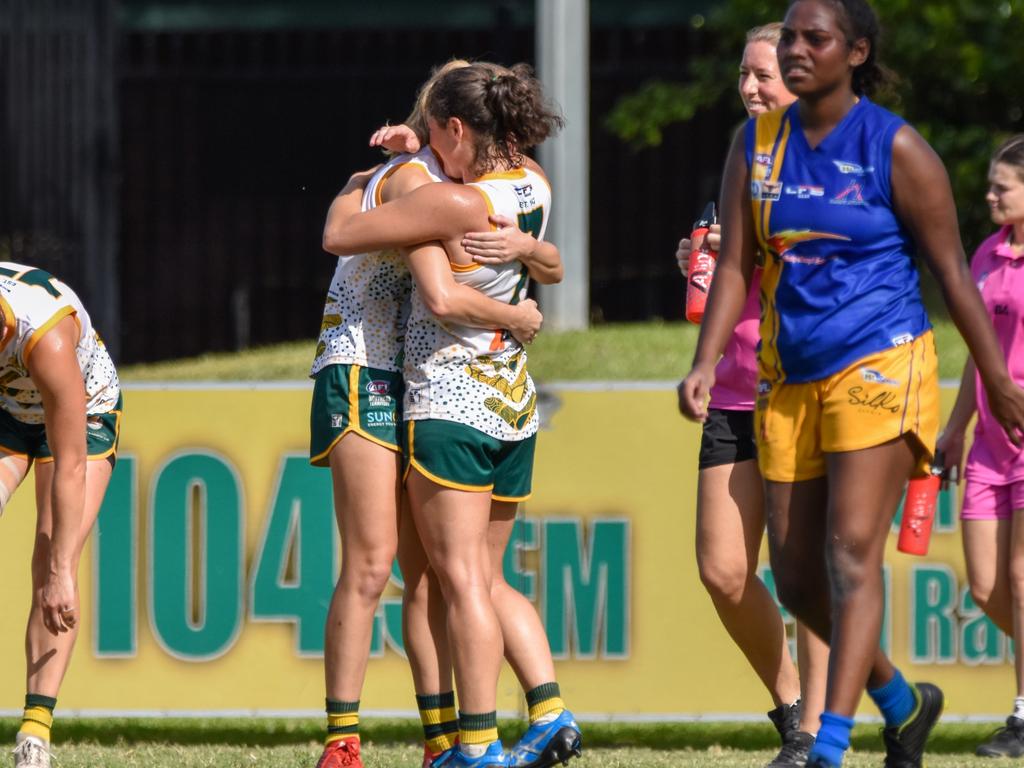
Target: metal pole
(563, 46)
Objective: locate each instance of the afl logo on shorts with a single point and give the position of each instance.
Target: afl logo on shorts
(380, 393)
(764, 387)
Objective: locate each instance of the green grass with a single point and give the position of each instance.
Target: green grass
(613, 352)
(217, 743)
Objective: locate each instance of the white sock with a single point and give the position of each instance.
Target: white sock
(1018, 707)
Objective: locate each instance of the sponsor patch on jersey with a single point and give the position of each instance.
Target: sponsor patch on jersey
(765, 190)
(872, 376)
(853, 169)
(851, 195)
(805, 191)
(901, 339)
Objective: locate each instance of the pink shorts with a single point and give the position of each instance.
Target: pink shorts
(991, 502)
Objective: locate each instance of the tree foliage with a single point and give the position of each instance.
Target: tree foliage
(960, 82)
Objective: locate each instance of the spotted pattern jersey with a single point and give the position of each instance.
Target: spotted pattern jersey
(840, 281)
(34, 301)
(474, 376)
(368, 300)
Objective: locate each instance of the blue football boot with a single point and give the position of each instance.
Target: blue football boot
(454, 757)
(547, 744)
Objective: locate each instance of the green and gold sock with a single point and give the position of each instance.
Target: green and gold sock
(440, 725)
(38, 717)
(545, 699)
(478, 730)
(342, 720)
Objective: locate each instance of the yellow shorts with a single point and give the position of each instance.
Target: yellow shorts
(870, 402)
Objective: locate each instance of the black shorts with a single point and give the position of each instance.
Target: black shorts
(728, 438)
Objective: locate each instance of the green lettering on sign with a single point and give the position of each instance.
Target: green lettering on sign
(196, 534)
(933, 630)
(116, 561)
(586, 588)
(523, 538)
(981, 641)
(294, 575)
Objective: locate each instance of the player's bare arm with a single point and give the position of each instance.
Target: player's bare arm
(733, 272)
(450, 301)
(438, 211)
(505, 242)
(53, 366)
(924, 202)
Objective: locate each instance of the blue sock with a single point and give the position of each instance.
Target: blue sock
(895, 700)
(833, 739)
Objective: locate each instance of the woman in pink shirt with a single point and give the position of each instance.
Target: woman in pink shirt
(730, 504)
(993, 508)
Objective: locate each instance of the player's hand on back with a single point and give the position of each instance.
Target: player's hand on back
(502, 245)
(397, 138)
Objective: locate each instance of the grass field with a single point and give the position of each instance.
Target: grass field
(227, 743)
(611, 352)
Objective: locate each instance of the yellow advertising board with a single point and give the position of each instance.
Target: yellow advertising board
(206, 582)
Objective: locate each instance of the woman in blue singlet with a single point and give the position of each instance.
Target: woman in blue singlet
(843, 194)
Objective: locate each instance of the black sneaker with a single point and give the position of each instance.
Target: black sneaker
(1008, 741)
(786, 718)
(796, 744)
(904, 744)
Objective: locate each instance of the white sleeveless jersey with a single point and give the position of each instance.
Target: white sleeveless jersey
(469, 375)
(368, 301)
(34, 301)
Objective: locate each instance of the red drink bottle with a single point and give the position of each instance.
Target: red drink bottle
(701, 267)
(919, 511)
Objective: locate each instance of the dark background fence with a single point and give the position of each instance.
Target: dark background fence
(59, 145)
(230, 144)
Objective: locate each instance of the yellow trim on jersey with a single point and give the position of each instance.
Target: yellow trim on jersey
(434, 478)
(378, 192)
(511, 175)
(770, 139)
(461, 268)
(10, 322)
(38, 334)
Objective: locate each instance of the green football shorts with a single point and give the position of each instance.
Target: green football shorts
(101, 436)
(461, 457)
(353, 398)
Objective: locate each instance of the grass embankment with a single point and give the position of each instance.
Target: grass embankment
(613, 352)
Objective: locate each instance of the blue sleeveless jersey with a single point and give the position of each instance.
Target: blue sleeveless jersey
(839, 279)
